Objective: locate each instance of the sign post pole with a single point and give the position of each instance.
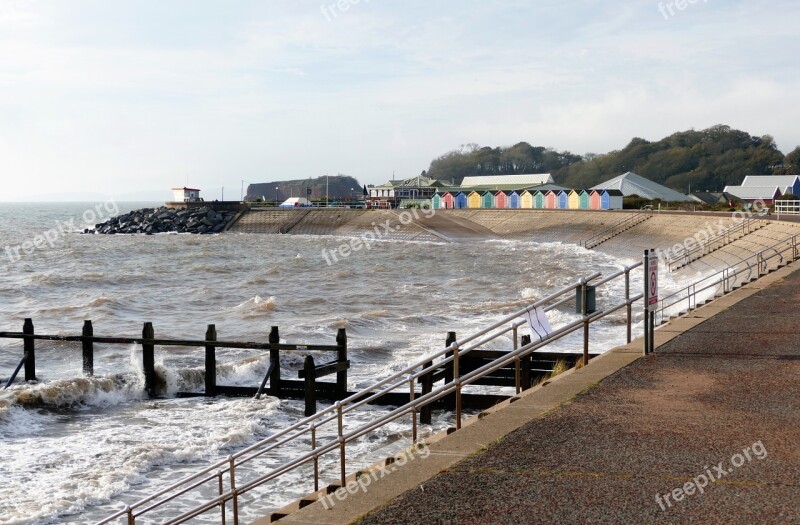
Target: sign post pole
(651, 299)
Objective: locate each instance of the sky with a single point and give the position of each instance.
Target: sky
(127, 99)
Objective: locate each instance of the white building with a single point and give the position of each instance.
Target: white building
(185, 195)
(520, 181)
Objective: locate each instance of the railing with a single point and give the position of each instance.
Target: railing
(308, 429)
(727, 279)
(786, 207)
(616, 229)
(715, 242)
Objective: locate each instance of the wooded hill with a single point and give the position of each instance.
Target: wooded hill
(705, 160)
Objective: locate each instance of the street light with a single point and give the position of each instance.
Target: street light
(276, 196)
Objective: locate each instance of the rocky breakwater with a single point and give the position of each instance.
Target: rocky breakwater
(166, 220)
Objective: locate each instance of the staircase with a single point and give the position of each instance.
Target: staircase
(714, 243)
(623, 225)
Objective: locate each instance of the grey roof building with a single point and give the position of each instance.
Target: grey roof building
(632, 184)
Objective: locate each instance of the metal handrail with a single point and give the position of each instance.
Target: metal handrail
(616, 228)
(699, 251)
(400, 379)
(725, 279)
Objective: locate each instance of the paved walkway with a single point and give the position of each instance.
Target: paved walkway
(722, 396)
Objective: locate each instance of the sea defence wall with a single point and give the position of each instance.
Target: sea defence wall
(663, 230)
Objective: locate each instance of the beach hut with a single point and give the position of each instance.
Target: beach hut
(447, 200)
(526, 199)
(487, 200)
(513, 200)
(573, 200)
(611, 199)
(500, 200)
(436, 201)
(474, 200)
(538, 200)
(461, 200)
(550, 200)
(563, 200)
(584, 196)
(594, 200)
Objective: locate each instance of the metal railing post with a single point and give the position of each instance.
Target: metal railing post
(584, 310)
(316, 458)
(629, 307)
(342, 458)
(232, 473)
(413, 408)
(222, 503)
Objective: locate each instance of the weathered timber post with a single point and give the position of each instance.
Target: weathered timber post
(30, 352)
(525, 364)
(310, 386)
(88, 348)
(149, 360)
(425, 415)
(449, 369)
(341, 376)
(275, 357)
(211, 362)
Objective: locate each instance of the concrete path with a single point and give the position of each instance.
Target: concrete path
(723, 396)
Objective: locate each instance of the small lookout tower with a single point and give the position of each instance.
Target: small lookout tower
(185, 195)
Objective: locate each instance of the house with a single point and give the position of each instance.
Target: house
(474, 200)
(436, 201)
(611, 199)
(753, 194)
(487, 200)
(573, 200)
(513, 200)
(632, 184)
(390, 194)
(595, 200)
(784, 183)
(538, 200)
(186, 195)
(526, 199)
(563, 200)
(500, 200)
(460, 200)
(551, 200)
(448, 200)
(584, 199)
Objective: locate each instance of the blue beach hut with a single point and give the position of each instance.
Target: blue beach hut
(563, 200)
(513, 200)
(461, 200)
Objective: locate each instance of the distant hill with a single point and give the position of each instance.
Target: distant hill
(338, 187)
(707, 160)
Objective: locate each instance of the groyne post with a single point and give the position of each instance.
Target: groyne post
(310, 386)
(88, 348)
(426, 412)
(149, 360)
(211, 362)
(275, 357)
(341, 356)
(525, 364)
(29, 349)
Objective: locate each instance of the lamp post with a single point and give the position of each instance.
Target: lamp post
(276, 196)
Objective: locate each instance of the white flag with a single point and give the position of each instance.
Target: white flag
(540, 326)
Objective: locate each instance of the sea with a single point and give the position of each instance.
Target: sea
(76, 449)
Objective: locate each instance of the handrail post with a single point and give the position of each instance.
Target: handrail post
(129, 513)
(221, 503)
(29, 348)
(426, 412)
(341, 376)
(232, 473)
(88, 348)
(211, 362)
(449, 368)
(275, 357)
(628, 307)
(584, 312)
(316, 458)
(413, 408)
(525, 365)
(148, 360)
(342, 458)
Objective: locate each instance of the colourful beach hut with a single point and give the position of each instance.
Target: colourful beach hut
(563, 200)
(595, 200)
(487, 200)
(461, 200)
(573, 200)
(447, 200)
(500, 200)
(513, 200)
(538, 200)
(611, 199)
(550, 200)
(436, 201)
(474, 200)
(526, 199)
(584, 195)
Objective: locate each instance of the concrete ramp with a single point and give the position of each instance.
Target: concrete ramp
(455, 228)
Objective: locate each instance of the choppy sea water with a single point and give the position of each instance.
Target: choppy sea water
(74, 449)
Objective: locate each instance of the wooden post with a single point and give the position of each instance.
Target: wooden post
(341, 376)
(29, 349)
(426, 412)
(449, 375)
(149, 360)
(525, 364)
(310, 384)
(275, 357)
(211, 362)
(88, 349)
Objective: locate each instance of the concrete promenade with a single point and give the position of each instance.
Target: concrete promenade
(597, 445)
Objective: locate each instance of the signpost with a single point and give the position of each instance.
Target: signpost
(650, 299)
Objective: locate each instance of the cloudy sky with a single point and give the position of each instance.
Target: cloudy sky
(116, 97)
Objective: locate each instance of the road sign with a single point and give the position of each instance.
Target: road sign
(652, 282)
